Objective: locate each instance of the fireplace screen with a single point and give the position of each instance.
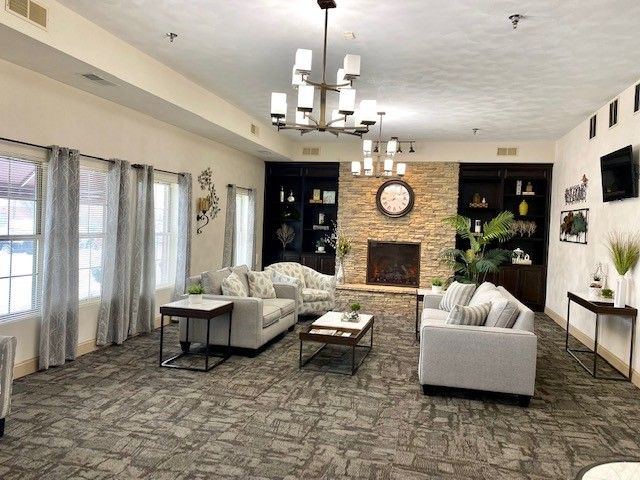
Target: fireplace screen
(393, 263)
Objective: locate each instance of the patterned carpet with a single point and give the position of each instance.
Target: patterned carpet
(115, 414)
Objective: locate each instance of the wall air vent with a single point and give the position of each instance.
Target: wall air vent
(311, 151)
(255, 130)
(507, 151)
(29, 10)
(92, 77)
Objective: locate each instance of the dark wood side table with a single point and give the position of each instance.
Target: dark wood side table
(601, 308)
(206, 310)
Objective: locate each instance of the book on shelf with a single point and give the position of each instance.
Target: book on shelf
(321, 227)
(528, 193)
(322, 331)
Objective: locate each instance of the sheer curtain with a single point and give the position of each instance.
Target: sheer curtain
(59, 329)
(143, 268)
(183, 264)
(245, 228)
(113, 317)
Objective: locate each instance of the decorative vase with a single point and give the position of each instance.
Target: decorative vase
(320, 249)
(340, 275)
(437, 289)
(195, 299)
(620, 295)
(523, 208)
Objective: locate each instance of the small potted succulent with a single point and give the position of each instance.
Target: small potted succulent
(437, 285)
(320, 245)
(354, 314)
(607, 293)
(195, 293)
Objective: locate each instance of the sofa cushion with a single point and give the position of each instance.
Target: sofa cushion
(315, 295)
(292, 270)
(434, 315)
(286, 305)
(464, 315)
(277, 277)
(486, 292)
(270, 315)
(260, 285)
(233, 286)
(503, 314)
(241, 271)
(457, 294)
(212, 281)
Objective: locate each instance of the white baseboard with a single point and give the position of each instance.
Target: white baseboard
(587, 341)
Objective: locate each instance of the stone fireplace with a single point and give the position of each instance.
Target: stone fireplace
(393, 263)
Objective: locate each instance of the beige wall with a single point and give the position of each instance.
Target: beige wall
(436, 196)
(571, 264)
(37, 109)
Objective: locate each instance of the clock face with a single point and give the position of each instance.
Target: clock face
(395, 198)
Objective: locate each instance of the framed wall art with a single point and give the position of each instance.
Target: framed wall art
(574, 225)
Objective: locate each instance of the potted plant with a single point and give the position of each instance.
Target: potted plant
(624, 249)
(320, 246)
(354, 314)
(195, 293)
(285, 234)
(607, 293)
(473, 264)
(437, 285)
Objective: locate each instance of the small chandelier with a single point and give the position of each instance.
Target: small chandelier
(304, 120)
(384, 151)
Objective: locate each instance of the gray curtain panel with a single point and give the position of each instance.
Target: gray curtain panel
(229, 227)
(59, 329)
(185, 202)
(143, 265)
(113, 317)
(252, 223)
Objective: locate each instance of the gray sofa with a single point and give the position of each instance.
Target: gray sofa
(478, 358)
(254, 321)
(7, 362)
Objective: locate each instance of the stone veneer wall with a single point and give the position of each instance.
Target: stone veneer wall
(435, 185)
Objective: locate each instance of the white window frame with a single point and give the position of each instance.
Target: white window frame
(170, 234)
(41, 195)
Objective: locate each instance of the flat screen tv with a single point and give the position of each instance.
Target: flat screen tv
(619, 177)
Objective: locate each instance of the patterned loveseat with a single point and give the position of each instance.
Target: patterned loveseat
(316, 291)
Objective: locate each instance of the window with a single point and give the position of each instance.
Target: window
(244, 229)
(20, 235)
(93, 205)
(166, 215)
(636, 101)
(592, 127)
(613, 113)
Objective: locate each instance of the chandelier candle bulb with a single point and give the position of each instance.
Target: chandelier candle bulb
(368, 112)
(367, 146)
(392, 146)
(303, 61)
(347, 101)
(368, 166)
(351, 66)
(355, 168)
(340, 80)
(388, 166)
(337, 119)
(296, 79)
(278, 104)
(305, 98)
(401, 169)
(301, 118)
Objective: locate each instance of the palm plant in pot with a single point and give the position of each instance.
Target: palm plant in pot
(624, 249)
(473, 264)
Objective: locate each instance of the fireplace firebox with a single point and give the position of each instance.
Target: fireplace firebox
(393, 263)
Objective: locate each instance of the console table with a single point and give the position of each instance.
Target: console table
(207, 310)
(602, 308)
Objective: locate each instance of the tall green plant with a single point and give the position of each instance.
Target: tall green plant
(624, 249)
(473, 265)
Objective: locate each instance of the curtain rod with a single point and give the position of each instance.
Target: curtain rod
(44, 147)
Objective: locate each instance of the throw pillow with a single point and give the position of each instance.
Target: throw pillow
(503, 314)
(260, 285)
(461, 315)
(485, 293)
(232, 286)
(212, 281)
(277, 277)
(457, 294)
(241, 271)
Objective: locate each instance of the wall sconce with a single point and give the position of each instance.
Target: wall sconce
(204, 204)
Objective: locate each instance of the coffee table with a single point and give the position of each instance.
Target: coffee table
(330, 329)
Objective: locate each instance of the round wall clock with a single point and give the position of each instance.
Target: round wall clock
(395, 198)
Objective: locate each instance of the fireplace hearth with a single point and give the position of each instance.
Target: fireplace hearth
(393, 263)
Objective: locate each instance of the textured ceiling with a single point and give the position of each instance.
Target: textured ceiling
(438, 68)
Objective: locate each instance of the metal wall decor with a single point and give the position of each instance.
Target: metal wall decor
(208, 207)
(574, 225)
(577, 193)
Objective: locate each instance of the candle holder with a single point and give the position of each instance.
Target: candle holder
(204, 204)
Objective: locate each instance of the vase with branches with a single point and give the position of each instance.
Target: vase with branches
(342, 246)
(473, 265)
(285, 234)
(624, 249)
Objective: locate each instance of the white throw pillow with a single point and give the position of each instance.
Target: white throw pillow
(457, 294)
(476, 316)
(260, 285)
(503, 314)
(232, 286)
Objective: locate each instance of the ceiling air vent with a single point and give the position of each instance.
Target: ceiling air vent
(92, 77)
(29, 10)
(255, 130)
(311, 151)
(507, 151)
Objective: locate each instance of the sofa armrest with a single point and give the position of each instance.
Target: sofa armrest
(432, 300)
(479, 358)
(7, 362)
(320, 281)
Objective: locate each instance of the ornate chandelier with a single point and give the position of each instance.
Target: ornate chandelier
(338, 123)
(384, 152)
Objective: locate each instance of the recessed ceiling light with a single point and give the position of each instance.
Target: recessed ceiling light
(515, 19)
(349, 35)
(475, 131)
(171, 36)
